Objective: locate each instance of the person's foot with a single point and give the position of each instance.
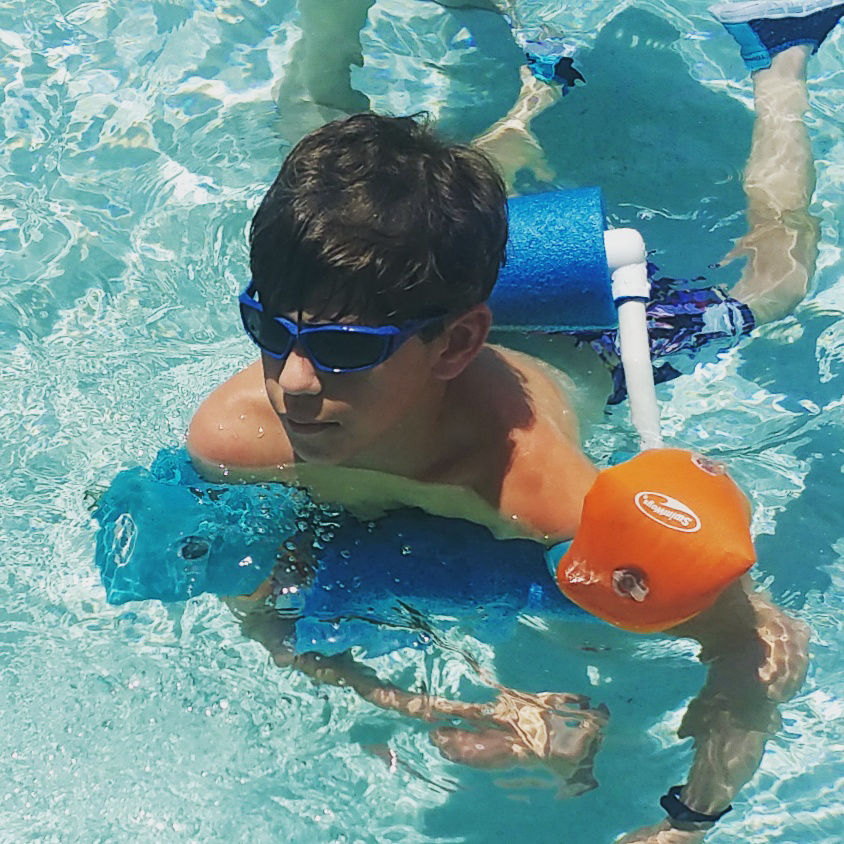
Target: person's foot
(509, 141)
(764, 28)
(514, 148)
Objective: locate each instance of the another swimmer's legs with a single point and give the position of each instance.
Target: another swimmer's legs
(316, 86)
(776, 38)
(782, 241)
(545, 78)
(332, 34)
(509, 141)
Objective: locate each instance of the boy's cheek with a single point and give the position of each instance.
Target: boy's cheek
(272, 367)
(275, 395)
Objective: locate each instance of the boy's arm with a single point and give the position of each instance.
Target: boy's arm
(757, 657)
(559, 730)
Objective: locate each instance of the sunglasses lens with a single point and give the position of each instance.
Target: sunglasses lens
(267, 333)
(346, 349)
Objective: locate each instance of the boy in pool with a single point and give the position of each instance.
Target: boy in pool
(373, 223)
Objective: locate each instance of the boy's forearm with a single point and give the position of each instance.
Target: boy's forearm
(729, 739)
(752, 668)
(343, 670)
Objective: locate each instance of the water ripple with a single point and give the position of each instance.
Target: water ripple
(137, 143)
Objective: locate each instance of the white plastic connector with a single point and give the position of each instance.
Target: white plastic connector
(624, 246)
(628, 263)
(631, 282)
(627, 260)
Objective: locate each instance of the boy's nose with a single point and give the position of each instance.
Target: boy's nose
(298, 375)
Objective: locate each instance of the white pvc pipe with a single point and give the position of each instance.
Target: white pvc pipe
(638, 372)
(627, 261)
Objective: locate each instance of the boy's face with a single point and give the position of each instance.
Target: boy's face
(352, 418)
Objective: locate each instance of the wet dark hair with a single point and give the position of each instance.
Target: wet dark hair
(377, 218)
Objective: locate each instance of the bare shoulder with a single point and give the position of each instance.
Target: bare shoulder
(548, 474)
(237, 428)
(549, 389)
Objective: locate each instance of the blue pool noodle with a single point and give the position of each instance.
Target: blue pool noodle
(556, 276)
(166, 534)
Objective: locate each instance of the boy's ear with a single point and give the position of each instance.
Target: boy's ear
(461, 340)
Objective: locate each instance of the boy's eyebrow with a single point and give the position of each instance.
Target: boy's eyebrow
(305, 314)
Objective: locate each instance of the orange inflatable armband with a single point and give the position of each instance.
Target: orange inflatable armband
(660, 537)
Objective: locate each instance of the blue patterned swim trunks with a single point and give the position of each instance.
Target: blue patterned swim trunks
(682, 320)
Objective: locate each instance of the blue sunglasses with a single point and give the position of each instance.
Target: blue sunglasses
(330, 346)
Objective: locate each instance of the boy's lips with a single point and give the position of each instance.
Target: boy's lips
(307, 427)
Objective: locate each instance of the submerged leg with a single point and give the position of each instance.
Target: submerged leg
(509, 141)
(776, 40)
(330, 46)
(548, 74)
(316, 86)
(782, 240)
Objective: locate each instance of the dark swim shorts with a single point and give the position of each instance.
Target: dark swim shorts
(682, 321)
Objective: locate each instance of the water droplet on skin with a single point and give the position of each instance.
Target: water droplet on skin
(260, 432)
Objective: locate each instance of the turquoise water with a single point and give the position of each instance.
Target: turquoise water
(138, 140)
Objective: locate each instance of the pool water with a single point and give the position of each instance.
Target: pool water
(138, 140)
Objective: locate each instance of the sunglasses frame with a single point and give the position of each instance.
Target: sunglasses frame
(393, 335)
